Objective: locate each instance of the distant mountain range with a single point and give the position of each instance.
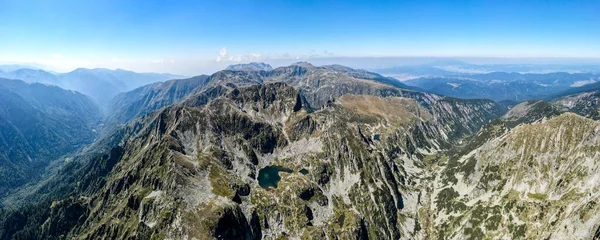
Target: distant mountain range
(500, 86)
(13, 67)
(39, 124)
(250, 67)
(453, 67)
(100, 84)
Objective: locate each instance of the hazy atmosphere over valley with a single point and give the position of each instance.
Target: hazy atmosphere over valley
(299, 119)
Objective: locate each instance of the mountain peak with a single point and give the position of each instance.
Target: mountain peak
(303, 64)
(253, 66)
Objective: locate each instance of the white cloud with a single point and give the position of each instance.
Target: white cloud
(236, 58)
(251, 57)
(56, 55)
(583, 82)
(223, 52)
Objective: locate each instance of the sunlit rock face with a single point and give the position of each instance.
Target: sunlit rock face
(307, 152)
(200, 164)
(536, 181)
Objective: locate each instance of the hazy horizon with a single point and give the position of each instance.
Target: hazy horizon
(192, 38)
(369, 63)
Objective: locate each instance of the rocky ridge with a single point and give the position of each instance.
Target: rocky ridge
(200, 158)
(365, 159)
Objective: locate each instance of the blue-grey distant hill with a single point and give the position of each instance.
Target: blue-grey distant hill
(500, 86)
(254, 66)
(453, 67)
(100, 84)
(40, 123)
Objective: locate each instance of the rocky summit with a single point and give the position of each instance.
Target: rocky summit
(329, 152)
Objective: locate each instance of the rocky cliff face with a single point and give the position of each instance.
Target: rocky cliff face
(317, 86)
(537, 181)
(191, 170)
(143, 100)
(586, 104)
(304, 152)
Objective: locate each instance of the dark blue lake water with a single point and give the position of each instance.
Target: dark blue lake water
(269, 176)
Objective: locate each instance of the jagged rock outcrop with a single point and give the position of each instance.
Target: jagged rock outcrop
(532, 181)
(191, 169)
(586, 104)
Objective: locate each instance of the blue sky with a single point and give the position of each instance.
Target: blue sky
(192, 37)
